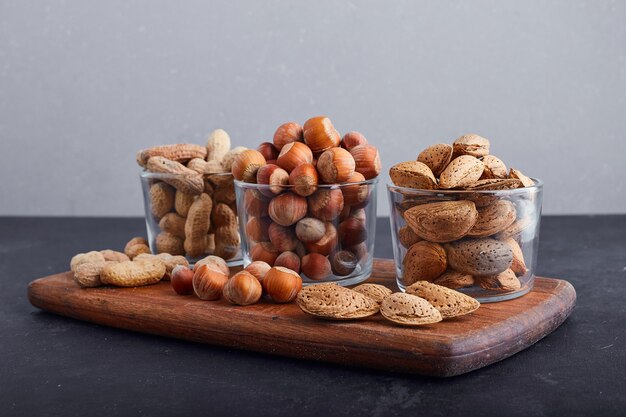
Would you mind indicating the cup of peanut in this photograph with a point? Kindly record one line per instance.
(189, 199)
(307, 202)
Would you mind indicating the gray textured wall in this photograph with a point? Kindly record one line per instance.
(85, 84)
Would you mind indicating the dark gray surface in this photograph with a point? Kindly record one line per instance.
(52, 365)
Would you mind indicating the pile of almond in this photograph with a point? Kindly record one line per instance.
(423, 303)
(465, 238)
(294, 218)
(193, 197)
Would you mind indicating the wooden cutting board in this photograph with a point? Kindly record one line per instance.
(492, 333)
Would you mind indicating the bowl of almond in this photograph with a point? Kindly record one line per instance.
(461, 219)
(307, 202)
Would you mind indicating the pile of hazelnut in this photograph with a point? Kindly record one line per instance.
(210, 280)
(307, 211)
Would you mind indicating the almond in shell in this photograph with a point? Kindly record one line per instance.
(409, 310)
(518, 266)
(504, 281)
(424, 261)
(436, 157)
(412, 174)
(450, 303)
(471, 144)
(443, 221)
(516, 174)
(331, 301)
(493, 218)
(374, 291)
(462, 172)
(479, 257)
(454, 279)
(494, 168)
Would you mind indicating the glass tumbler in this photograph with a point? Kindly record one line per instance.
(326, 232)
(482, 243)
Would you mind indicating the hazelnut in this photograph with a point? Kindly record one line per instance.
(352, 231)
(242, 289)
(215, 263)
(282, 237)
(355, 194)
(310, 229)
(320, 134)
(255, 203)
(294, 154)
(326, 244)
(288, 260)
(268, 150)
(264, 251)
(286, 209)
(335, 165)
(182, 279)
(274, 176)
(367, 160)
(360, 251)
(352, 139)
(316, 266)
(343, 262)
(246, 165)
(282, 284)
(258, 269)
(287, 133)
(304, 178)
(257, 228)
(326, 204)
(300, 250)
(208, 283)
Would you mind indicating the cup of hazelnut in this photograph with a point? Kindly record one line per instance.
(307, 201)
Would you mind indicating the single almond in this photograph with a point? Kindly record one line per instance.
(526, 181)
(443, 221)
(493, 218)
(331, 301)
(518, 266)
(504, 281)
(424, 261)
(450, 303)
(407, 236)
(494, 168)
(436, 157)
(374, 291)
(463, 171)
(409, 310)
(479, 257)
(412, 174)
(454, 279)
(471, 144)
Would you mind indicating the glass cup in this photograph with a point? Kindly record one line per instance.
(482, 243)
(326, 234)
(168, 225)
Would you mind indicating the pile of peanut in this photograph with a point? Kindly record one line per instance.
(192, 197)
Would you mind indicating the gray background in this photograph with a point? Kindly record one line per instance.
(85, 84)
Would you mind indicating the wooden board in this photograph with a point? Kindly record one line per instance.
(492, 333)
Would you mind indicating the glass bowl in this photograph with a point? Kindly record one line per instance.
(326, 236)
(482, 243)
(169, 213)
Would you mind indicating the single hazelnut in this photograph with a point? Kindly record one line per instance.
(286, 209)
(208, 283)
(242, 289)
(282, 284)
(287, 133)
(268, 150)
(352, 231)
(343, 263)
(294, 154)
(257, 228)
(367, 160)
(310, 229)
(246, 165)
(352, 139)
(326, 244)
(360, 251)
(288, 260)
(316, 266)
(274, 176)
(182, 279)
(258, 269)
(320, 134)
(326, 204)
(304, 178)
(214, 262)
(335, 165)
(255, 203)
(355, 194)
(282, 237)
(264, 251)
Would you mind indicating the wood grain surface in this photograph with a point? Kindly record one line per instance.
(492, 333)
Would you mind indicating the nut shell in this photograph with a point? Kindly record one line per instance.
(208, 283)
(258, 269)
(352, 139)
(320, 134)
(367, 160)
(424, 261)
(286, 209)
(242, 289)
(246, 165)
(282, 284)
(304, 179)
(326, 204)
(287, 133)
(335, 165)
(316, 266)
(294, 154)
